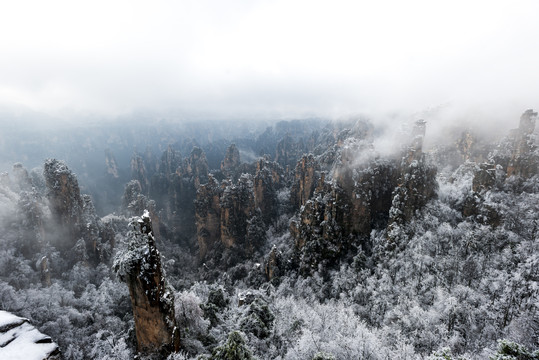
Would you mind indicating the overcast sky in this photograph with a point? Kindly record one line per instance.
(270, 58)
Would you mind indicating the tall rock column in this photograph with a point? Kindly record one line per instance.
(138, 172)
(196, 167)
(111, 164)
(64, 198)
(524, 158)
(416, 185)
(266, 181)
(305, 181)
(231, 162)
(208, 216)
(81, 233)
(237, 208)
(151, 298)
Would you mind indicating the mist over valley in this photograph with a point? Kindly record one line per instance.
(269, 180)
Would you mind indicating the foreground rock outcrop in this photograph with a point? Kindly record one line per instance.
(19, 340)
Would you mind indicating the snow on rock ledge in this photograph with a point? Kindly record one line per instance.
(20, 340)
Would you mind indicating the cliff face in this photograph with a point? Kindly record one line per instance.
(228, 218)
(416, 183)
(267, 180)
(182, 193)
(524, 158)
(111, 165)
(31, 213)
(517, 154)
(231, 162)
(138, 172)
(237, 207)
(21, 179)
(196, 167)
(134, 202)
(514, 161)
(465, 145)
(171, 160)
(176, 181)
(319, 235)
(85, 237)
(305, 180)
(231, 215)
(208, 216)
(342, 211)
(186, 215)
(274, 265)
(371, 196)
(362, 192)
(484, 177)
(471, 147)
(288, 151)
(161, 184)
(368, 182)
(152, 300)
(98, 237)
(173, 190)
(64, 196)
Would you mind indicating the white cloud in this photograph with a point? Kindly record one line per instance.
(269, 57)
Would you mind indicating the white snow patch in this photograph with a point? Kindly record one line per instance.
(21, 341)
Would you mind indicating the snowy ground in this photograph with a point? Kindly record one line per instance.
(20, 340)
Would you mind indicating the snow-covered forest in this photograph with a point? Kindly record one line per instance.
(289, 240)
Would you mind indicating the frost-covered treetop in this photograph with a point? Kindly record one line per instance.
(56, 166)
(145, 217)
